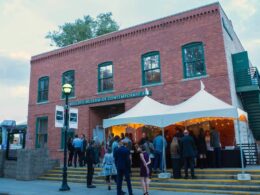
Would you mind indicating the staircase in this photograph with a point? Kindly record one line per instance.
(247, 80)
(251, 103)
(251, 153)
(217, 181)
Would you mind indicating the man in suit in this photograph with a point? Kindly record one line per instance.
(90, 155)
(188, 152)
(123, 163)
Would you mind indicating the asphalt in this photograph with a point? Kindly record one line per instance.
(39, 187)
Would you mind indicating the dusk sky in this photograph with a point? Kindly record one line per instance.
(25, 23)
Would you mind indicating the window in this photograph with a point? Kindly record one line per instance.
(226, 29)
(193, 60)
(105, 77)
(69, 77)
(151, 69)
(43, 89)
(41, 132)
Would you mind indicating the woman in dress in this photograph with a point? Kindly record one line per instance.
(149, 148)
(109, 168)
(144, 169)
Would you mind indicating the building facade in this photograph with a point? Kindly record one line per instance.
(109, 74)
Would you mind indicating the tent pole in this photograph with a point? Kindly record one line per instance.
(164, 160)
(241, 151)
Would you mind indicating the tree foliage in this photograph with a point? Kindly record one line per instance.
(83, 29)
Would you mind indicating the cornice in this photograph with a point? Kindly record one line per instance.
(158, 24)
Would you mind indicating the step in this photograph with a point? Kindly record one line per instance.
(186, 190)
(170, 180)
(200, 176)
(186, 185)
(135, 171)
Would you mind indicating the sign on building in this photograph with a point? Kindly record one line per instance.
(60, 117)
(73, 118)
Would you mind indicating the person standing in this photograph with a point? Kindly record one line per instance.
(144, 169)
(71, 151)
(210, 150)
(188, 152)
(110, 140)
(123, 163)
(158, 144)
(83, 150)
(176, 158)
(115, 143)
(202, 149)
(149, 148)
(109, 168)
(143, 139)
(215, 143)
(128, 141)
(90, 154)
(77, 144)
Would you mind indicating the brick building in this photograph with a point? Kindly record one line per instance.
(109, 74)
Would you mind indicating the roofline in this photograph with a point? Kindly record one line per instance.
(115, 33)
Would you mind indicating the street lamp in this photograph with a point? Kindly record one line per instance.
(66, 89)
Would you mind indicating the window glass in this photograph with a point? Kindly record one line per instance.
(41, 132)
(43, 89)
(151, 68)
(106, 81)
(193, 60)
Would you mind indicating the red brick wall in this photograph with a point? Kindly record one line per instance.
(124, 49)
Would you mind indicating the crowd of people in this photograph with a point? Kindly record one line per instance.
(116, 156)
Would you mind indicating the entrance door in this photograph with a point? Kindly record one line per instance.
(99, 134)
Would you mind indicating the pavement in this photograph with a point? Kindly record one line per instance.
(38, 187)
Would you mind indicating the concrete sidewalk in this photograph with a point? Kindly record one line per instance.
(39, 187)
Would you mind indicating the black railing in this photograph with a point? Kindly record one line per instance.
(247, 77)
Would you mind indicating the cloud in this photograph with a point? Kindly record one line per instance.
(14, 102)
(244, 8)
(13, 71)
(20, 91)
(253, 47)
(20, 55)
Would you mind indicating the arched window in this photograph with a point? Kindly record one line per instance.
(151, 68)
(69, 77)
(43, 89)
(105, 77)
(193, 60)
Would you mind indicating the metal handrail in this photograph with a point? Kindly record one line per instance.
(247, 77)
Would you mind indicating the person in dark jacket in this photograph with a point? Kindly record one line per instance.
(123, 163)
(71, 151)
(188, 152)
(90, 154)
(215, 143)
(83, 150)
(202, 149)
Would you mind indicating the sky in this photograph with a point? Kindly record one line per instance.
(25, 23)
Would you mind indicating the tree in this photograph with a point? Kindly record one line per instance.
(83, 29)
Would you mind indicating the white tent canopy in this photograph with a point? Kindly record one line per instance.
(151, 112)
(147, 111)
(202, 104)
